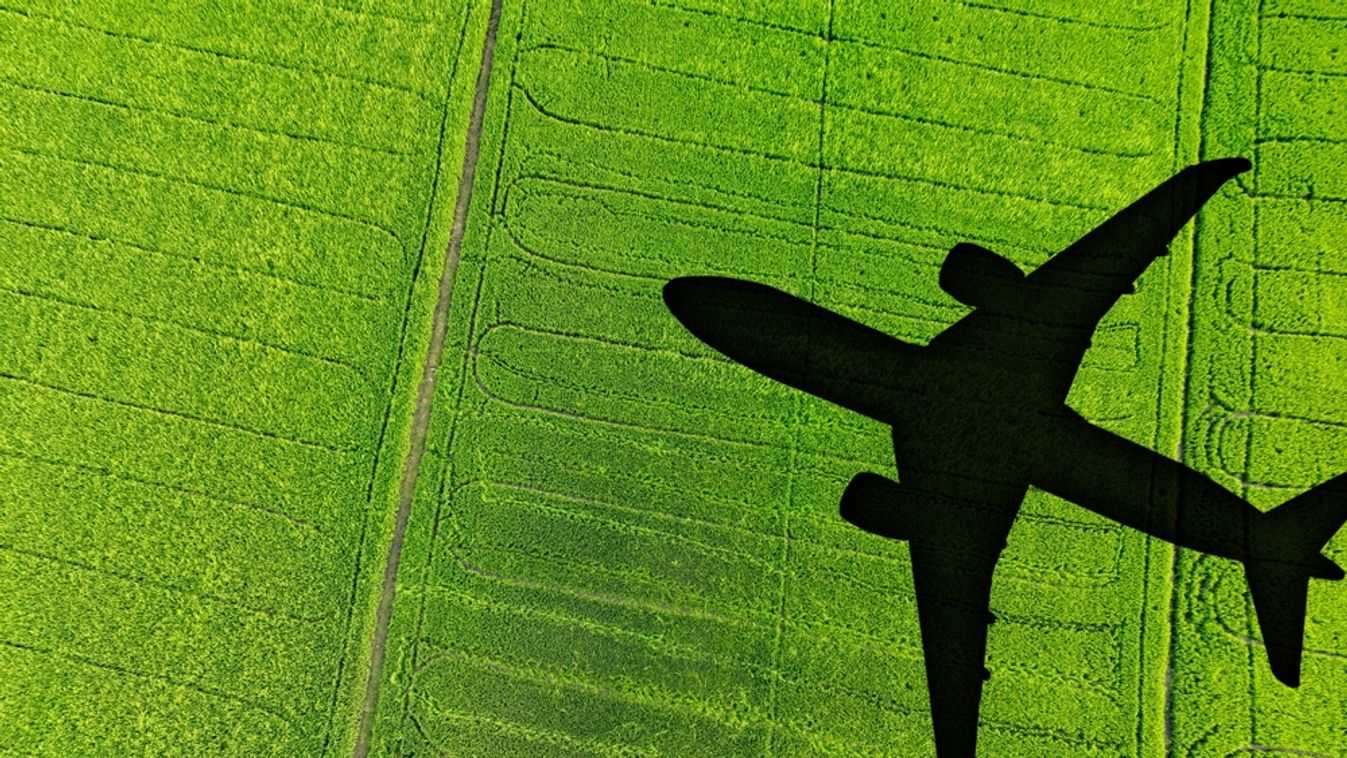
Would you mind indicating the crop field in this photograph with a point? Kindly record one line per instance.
(623, 544)
(220, 233)
(223, 235)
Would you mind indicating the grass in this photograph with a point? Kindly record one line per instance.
(220, 245)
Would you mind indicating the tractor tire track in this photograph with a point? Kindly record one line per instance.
(426, 389)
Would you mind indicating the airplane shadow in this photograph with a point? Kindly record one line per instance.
(979, 415)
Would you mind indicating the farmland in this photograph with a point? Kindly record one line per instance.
(223, 235)
(221, 229)
(621, 540)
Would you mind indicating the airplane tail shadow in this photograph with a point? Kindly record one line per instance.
(1279, 572)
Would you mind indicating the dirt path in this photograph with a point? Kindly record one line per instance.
(426, 389)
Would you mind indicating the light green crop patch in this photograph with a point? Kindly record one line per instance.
(623, 544)
(221, 225)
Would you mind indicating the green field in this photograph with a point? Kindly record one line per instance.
(222, 231)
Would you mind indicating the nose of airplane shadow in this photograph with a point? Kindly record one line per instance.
(676, 291)
(707, 302)
(684, 290)
(754, 324)
(680, 297)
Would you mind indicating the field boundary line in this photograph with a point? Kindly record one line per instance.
(426, 389)
(1186, 390)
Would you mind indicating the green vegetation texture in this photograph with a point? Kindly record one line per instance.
(222, 228)
(623, 544)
